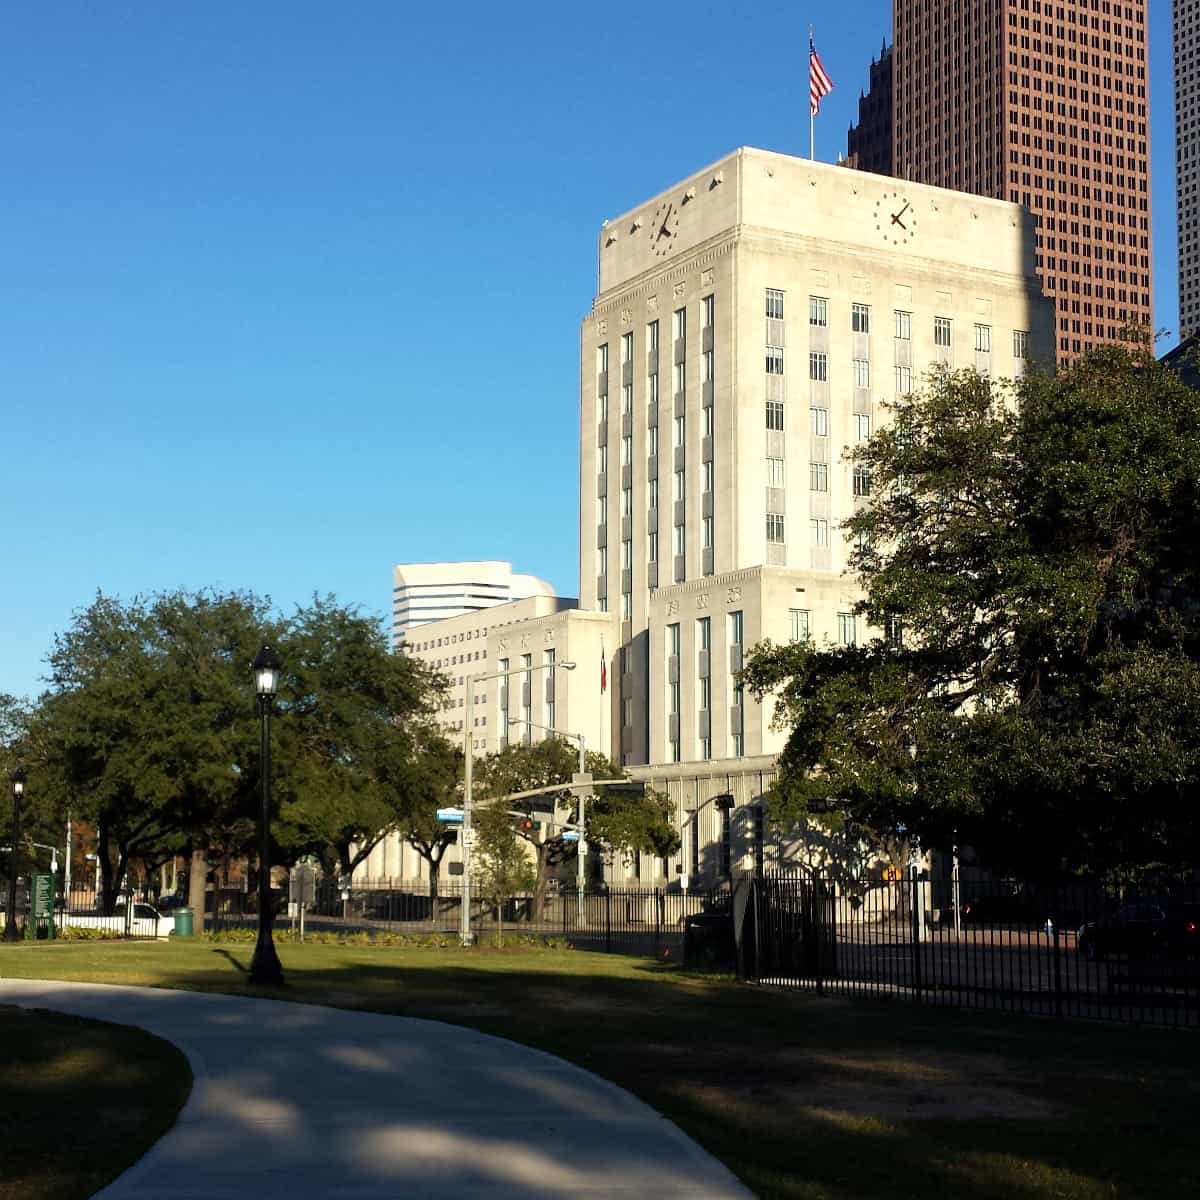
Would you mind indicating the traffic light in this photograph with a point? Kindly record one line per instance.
(529, 825)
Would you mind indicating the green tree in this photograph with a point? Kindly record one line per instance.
(1031, 557)
(352, 720)
(433, 780)
(617, 823)
(501, 863)
(144, 730)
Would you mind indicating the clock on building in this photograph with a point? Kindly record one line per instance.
(664, 225)
(895, 218)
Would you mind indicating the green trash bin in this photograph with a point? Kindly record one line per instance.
(183, 922)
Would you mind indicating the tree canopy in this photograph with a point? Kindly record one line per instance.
(150, 727)
(1029, 561)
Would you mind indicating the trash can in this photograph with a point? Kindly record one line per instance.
(183, 922)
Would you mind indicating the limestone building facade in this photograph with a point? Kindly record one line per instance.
(751, 325)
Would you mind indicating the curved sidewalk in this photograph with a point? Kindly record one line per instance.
(296, 1101)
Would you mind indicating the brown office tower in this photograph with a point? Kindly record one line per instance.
(1044, 104)
(869, 143)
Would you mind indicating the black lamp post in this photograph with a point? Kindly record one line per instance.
(10, 924)
(264, 966)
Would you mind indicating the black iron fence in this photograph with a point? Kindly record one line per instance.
(1065, 950)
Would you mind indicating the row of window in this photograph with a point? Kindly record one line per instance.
(860, 322)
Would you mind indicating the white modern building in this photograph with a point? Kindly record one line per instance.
(425, 592)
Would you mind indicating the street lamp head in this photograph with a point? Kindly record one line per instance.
(18, 781)
(267, 665)
(566, 666)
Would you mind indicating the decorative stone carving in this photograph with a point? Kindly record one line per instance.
(702, 600)
(672, 607)
(706, 278)
(733, 595)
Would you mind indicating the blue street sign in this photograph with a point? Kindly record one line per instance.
(450, 816)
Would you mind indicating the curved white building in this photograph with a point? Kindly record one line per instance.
(424, 592)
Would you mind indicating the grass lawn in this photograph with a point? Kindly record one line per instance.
(802, 1096)
(79, 1101)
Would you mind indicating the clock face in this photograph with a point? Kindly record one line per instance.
(664, 225)
(895, 219)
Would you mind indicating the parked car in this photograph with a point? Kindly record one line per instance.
(1143, 929)
(708, 939)
(1002, 909)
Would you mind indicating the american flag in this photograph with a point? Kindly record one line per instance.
(819, 83)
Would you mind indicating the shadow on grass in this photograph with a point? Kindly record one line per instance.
(800, 1095)
(108, 1090)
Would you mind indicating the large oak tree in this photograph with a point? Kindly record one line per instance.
(1033, 554)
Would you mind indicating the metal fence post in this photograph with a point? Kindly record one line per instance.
(608, 920)
(1058, 991)
(658, 900)
(915, 919)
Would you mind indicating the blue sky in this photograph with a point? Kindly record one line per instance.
(290, 292)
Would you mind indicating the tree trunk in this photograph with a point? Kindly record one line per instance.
(540, 883)
(108, 885)
(435, 871)
(197, 880)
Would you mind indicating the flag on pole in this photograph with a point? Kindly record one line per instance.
(819, 83)
(603, 670)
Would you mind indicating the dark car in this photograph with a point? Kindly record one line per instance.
(1003, 909)
(1143, 929)
(708, 937)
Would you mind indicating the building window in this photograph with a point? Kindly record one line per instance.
(774, 304)
(626, 606)
(707, 477)
(652, 441)
(774, 360)
(602, 407)
(904, 381)
(654, 546)
(818, 310)
(550, 658)
(861, 481)
(819, 418)
(652, 336)
(941, 331)
(847, 625)
(862, 373)
(680, 485)
(862, 427)
(706, 367)
(601, 561)
(818, 477)
(626, 554)
(775, 528)
(704, 634)
(707, 428)
(626, 347)
(627, 502)
(679, 322)
(680, 430)
(736, 627)
(652, 492)
(673, 644)
(1020, 343)
(774, 414)
(626, 398)
(819, 528)
(983, 339)
(602, 460)
(860, 318)
(706, 531)
(680, 540)
(626, 450)
(775, 472)
(799, 621)
(903, 326)
(818, 366)
(707, 310)
(602, 359)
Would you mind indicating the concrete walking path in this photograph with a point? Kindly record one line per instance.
(296, 1100)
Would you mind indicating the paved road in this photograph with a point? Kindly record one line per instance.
(297, 1101)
